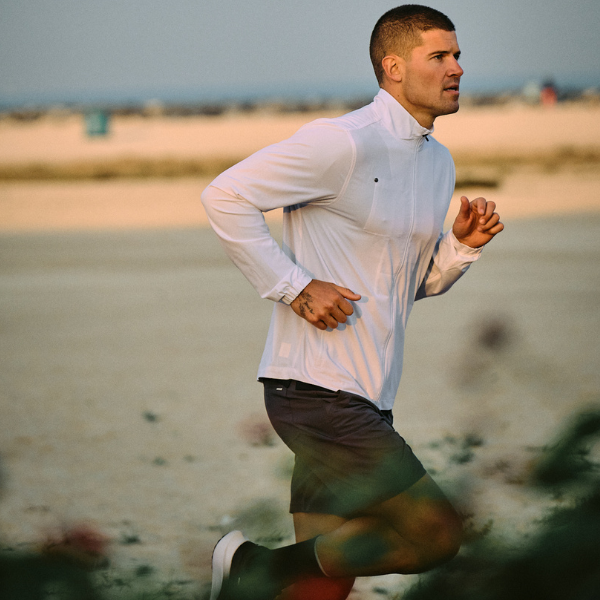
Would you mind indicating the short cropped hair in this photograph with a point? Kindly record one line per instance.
(399, 30)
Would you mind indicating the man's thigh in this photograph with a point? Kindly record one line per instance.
(412, 514)
(309, 525)
(420, 513)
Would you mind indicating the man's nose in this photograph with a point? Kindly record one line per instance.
(455, 69)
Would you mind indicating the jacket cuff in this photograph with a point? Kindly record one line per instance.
(462, 249)
(290, 289)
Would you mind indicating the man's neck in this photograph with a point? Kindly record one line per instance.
(422, 119)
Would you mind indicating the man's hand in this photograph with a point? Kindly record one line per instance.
(324, 304)
(476, 223)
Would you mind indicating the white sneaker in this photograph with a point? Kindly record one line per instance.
(221, 561)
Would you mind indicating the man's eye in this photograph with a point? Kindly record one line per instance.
(438, 56)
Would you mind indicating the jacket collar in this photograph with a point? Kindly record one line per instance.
(397, 119)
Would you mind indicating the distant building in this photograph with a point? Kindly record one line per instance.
(548, 94)
(97, 123)
(531, 92)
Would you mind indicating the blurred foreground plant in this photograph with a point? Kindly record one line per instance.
(60, 569)
(562, 560)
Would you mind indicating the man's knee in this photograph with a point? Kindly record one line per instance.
(440, 539)
(450, 538)
(424, 517)
(434, 537)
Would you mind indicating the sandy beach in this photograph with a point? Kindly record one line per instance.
(129, 343)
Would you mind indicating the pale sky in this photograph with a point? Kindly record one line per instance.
(98, 50)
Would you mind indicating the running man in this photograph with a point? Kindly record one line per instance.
(364, 196)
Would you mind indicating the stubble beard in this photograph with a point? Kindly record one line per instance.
(449, 107)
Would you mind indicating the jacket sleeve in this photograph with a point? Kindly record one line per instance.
(311, 166)
(449, 262)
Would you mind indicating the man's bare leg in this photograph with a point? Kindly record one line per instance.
(410, 533)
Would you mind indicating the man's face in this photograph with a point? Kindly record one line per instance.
(431, 77)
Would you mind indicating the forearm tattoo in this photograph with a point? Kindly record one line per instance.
(304, 304)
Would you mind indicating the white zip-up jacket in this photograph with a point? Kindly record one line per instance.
(365, 196)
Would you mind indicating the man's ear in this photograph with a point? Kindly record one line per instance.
(393, 66)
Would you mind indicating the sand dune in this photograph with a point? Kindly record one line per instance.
(510, 129)
(535, 180)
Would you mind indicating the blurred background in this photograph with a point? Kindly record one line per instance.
(129, 344)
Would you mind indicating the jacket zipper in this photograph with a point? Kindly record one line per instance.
(387, 368)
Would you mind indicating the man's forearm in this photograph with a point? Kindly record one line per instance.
(450, 261)
(246, 239)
